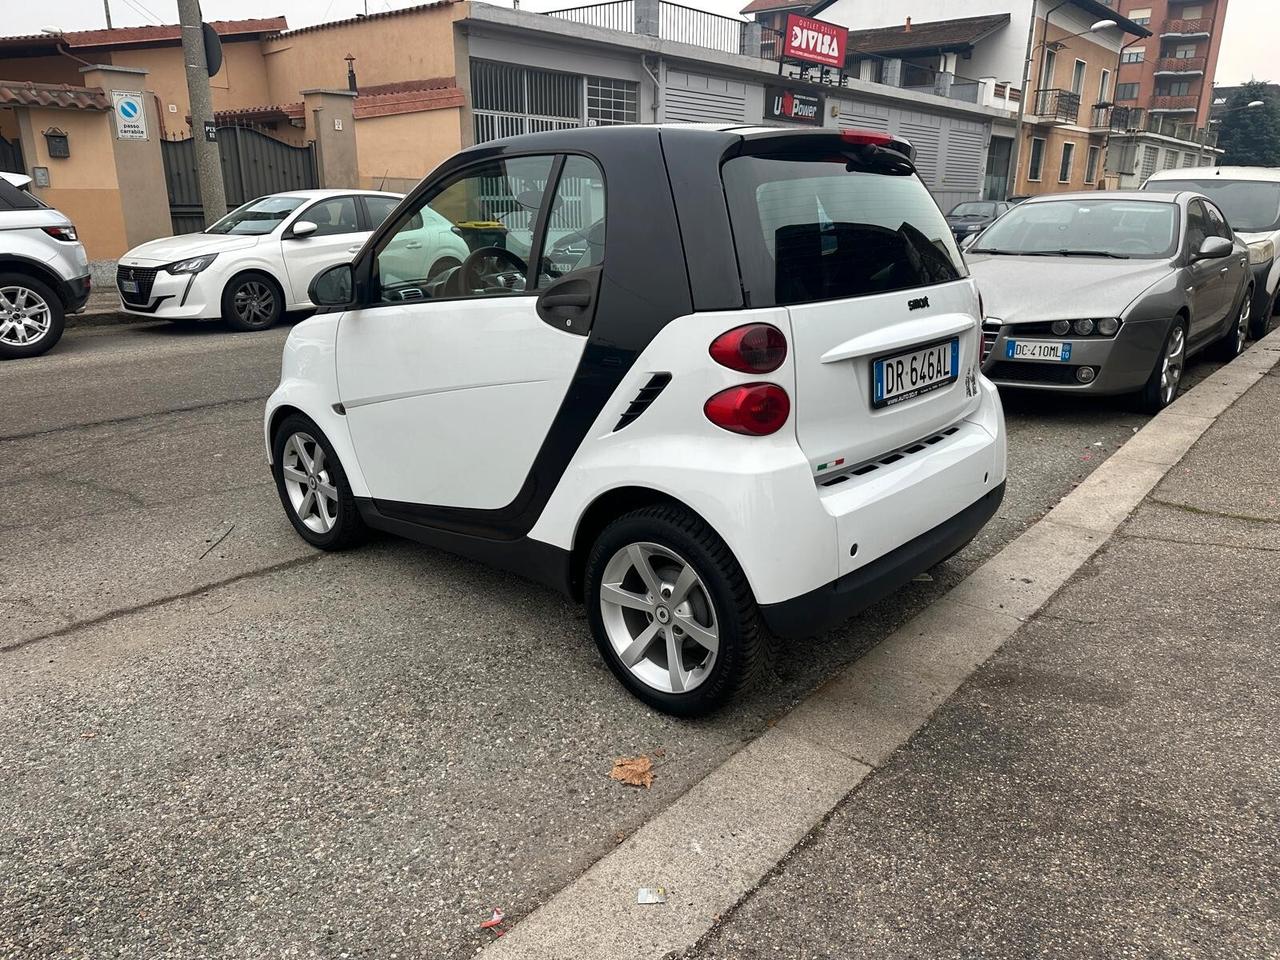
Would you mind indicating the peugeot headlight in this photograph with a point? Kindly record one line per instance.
(1262, 251)
(192, 264)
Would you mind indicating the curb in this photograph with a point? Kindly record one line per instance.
(103, 318)
(713, 845)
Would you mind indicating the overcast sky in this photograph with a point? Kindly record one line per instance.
(1248, 47)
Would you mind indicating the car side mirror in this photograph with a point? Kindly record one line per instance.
(1214, 248)
(333, 287)
(303, 228)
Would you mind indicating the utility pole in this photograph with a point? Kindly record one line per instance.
(106, 6)
(208, 164)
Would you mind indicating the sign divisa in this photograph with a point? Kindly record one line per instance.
(815, 41)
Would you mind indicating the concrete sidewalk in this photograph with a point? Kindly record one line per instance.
(1107, 785)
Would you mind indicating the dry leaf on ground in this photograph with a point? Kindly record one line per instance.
(633, 771)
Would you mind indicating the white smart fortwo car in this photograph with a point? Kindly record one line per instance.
(713, 381)
(257, 261)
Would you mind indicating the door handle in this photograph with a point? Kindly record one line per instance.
(1224, 269)
(355, 248)
(578, 301)
(413, 245)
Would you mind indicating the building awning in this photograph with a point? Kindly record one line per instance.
(939, 36)
(21, 93)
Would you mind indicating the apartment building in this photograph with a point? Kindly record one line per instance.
(1170, 74)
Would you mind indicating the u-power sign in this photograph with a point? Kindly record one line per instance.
(815, 41)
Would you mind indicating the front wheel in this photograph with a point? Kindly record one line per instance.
(1233, 341)
(1166, 377)
(252, 301)
(1264, 310)
(313, 486)
(31, 317)
(672, 613)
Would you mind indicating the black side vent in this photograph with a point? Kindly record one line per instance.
(648, 393)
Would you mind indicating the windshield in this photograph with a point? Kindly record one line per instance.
(809, 230)
(973, 209)
(1105, 228)
(1250, 206)
(257, 216)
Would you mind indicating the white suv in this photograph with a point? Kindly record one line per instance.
(1249, 197)
(44, 272)
(710, 380)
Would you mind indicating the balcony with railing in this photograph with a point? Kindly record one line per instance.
(1187, 65)
(1109, 118)
(1177, 27)
(1175, 104)
(1056, 106)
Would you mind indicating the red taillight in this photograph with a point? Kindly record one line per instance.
(756, 409)
(866, 138)
(752, 348)
(61, 233)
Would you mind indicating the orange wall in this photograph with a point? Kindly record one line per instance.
(242, 81)
(41, 69)
(402, 149)
(415, 46)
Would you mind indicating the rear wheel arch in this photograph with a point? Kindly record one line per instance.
(36, 271)
(602, 511)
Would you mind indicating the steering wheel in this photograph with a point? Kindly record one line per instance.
(469, 276)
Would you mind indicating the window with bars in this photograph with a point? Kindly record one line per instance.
(612, 101)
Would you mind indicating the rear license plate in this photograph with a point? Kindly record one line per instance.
(1037, 350)
(902, 376)
(129, 286)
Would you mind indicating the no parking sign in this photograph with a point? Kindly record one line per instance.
(131, 115)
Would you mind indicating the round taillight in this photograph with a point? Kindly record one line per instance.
(756, 409)
(751, 348)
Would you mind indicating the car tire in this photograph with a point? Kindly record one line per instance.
(313, 486)
(32, 317)
(1157, 394)
(695, 595)
(1232, 343)
(252, 301)
(1260, 322)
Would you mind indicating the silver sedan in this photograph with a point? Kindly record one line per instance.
(1110, 292)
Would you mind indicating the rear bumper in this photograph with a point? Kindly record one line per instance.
(833, 603)
(75, 293)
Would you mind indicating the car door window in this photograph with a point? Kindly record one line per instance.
(575, 223)
(471, 238)
(379, 208)
(1197, 226)
(1217, 223)
(333, 216)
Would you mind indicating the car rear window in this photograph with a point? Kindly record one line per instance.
(11, 198)
(1251, 206)
(809, 230)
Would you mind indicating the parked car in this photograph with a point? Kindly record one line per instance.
(257, 261)
(1110, 292)
(970, 218)
(1249, 197)
(44, 272)
(740, 392)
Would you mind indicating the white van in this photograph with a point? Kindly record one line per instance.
(1250, 198)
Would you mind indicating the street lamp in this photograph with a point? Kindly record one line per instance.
(1248, 106)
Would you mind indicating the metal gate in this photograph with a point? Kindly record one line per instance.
(253, 165)
(11, 156)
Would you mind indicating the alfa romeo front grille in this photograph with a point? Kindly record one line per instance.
(144, 277)
(990, 334)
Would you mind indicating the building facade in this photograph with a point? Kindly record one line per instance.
(1170, 74)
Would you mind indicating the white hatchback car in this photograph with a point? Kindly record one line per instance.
(257, 261)
(710, 380)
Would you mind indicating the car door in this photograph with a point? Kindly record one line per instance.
(1203, 278)
(1231, 269)
(337, 239)
(450, 385)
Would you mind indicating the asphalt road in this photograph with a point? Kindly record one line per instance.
(222, 743)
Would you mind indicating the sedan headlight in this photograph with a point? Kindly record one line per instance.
(1083, 327)
(1061, 328)
(1262, 251)
(1108, 326)
(973, 227)
(192, 264)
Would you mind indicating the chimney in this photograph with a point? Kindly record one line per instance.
(907, 28)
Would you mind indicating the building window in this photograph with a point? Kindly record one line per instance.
(1036, 166)
(1184, 51)
(1104, 87)
(1192, 12)
(1077, 77)
(1177, 88)
(1140, 15)
(1091, 165)
(1126, 91)
(1188, 159)
(1170, 159)
(611, 101)
(1064, 168)
(1150, 156)
(1134, 55)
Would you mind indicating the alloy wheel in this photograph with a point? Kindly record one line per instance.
(309, 484)
(1171, 370)
(25, 316)
(659, 617)
(254, 303)
(1242, 322)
